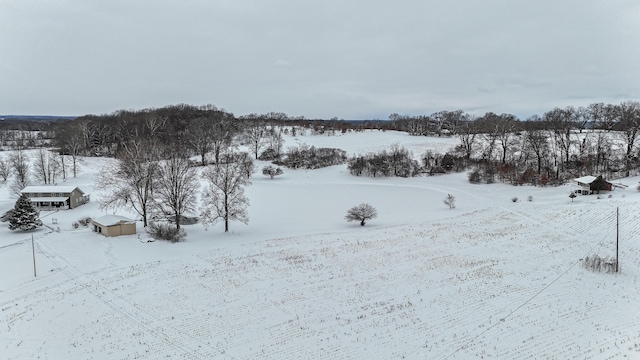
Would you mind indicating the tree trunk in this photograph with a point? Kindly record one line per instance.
(226, 212)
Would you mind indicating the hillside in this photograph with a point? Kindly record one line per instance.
(491, 278)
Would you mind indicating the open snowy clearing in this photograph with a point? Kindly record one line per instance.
(491, 278)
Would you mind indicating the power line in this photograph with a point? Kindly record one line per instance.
(468, 342)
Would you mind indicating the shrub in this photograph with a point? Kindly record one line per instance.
(450, 201)
(436, 170)
(514, 199)
(529, 198)
(85, 221)
(271, 171)
(75, 224)
(599, 264)
(269, 155)
(474, 176)
(310, 157)
(166, 231)
(395, 162)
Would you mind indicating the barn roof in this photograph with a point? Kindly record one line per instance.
(586, 179)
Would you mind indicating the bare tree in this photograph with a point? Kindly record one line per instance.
(274, 140)
(129, 181)
(467, 134)
(561, 122)
(245, 161)
(200, 135)
(489, 127)
(255, 135)
(20, 167)
(225, 131)
(450, 201)
(175, 190)
(601, 117)
(505, 128)
(224, 198)
(362, 213)
(47, 167)
(63, 166)
(154, 124)
(73, 138)
(5, 170)
(629, 122)
(538, 144)
(214, 132)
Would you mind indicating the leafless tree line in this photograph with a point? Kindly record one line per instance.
(19, 170)
(601, 139)
(563, 142)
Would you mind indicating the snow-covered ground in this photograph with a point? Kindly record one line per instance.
(491, 278)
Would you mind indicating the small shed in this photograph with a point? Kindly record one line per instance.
(114, 225)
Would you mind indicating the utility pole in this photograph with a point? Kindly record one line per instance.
(617, 234)
(33, 251)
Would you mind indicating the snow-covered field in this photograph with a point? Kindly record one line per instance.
(491, 278)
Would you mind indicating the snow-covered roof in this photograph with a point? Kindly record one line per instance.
(49, 199)
(49, 189)
(585, 179)
(110, 220)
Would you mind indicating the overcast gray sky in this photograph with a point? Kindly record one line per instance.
(354, 59)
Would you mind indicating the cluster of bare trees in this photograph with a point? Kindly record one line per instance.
(397, 161)
(19, 170)
(441, 123)
(161, 183)
(203, 130)
(565, 142)
(310, 157)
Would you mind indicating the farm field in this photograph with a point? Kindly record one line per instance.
(491, 278)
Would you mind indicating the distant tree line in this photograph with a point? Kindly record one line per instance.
(600, 139)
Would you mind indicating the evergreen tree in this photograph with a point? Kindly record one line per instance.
(24, 216)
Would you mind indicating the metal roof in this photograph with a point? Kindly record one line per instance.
(586, 179)
(49, 189)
